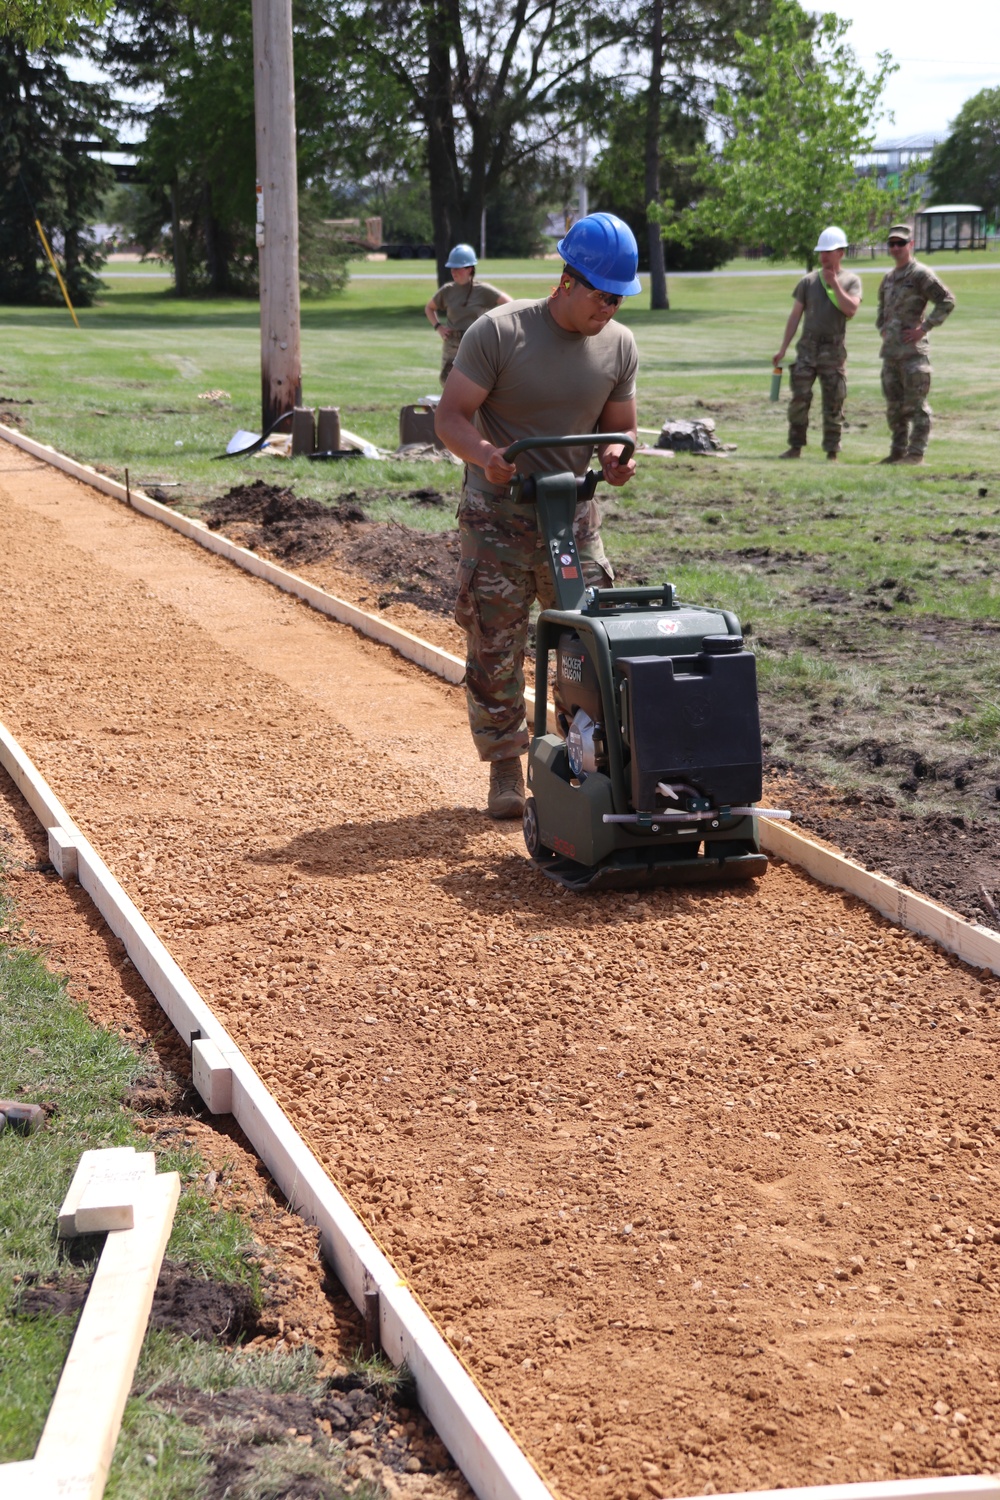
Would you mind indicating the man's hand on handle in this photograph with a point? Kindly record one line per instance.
(616, 472)
(497, 469)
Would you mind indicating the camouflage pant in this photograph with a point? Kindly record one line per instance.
(449, 348)
(824, 362)
(905, 385)
(504, 568)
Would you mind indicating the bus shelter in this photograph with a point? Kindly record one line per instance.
(950, 226)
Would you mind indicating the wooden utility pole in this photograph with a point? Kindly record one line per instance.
(277, 209)
(658, 298)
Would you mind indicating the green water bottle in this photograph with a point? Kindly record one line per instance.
(775, 382)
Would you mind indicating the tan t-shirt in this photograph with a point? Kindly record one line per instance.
(462, 305)
(823, 320)
(543, 381)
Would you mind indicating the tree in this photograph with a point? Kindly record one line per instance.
(198, 158)
(489, 89)
(792, 135)
(965, 168)
(690, 47)
(36, 23)
(619, 182)
(46, 174)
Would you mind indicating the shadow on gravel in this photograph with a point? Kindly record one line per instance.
(480, 880)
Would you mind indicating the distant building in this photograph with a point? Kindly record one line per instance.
(896, 156)
(950, 226)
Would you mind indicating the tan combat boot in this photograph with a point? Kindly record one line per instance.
(912, 458)
(834, 457)
(791, 453)
(506, 799)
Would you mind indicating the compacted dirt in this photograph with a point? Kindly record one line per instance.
(950, 852)
(701, 1185)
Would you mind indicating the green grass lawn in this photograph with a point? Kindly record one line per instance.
(872, 594)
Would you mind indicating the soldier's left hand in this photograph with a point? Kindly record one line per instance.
(615, 472)
(914, 335)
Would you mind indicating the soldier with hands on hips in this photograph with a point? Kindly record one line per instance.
(904, 324)
(828, 298)
(534, 369)
(455, 306)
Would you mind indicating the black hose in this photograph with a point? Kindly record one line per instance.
(256, 446)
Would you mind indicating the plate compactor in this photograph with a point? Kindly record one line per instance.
(653, 779)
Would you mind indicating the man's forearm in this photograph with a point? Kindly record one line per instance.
(462, 438)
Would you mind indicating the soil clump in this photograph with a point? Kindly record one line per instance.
(404, 566)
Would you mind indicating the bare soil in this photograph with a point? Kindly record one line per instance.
(950, 851)
(702, 1187)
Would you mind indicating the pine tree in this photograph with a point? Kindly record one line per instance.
(46, 174)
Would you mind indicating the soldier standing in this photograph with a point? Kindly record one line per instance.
(534, 369)
(906, 365)
(828, 297)
(462, 300)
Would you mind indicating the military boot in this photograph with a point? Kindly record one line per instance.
(912, 458)
(893, 458)
(791, 453)
(506, 799)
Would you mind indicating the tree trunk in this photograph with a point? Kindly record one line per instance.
(658, 298)
(442, 156)
(178, 245)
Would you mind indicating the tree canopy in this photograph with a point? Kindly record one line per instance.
(965, 168)
(38, 22)
(792, 135)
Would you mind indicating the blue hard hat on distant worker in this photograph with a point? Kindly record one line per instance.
(461, 256)
(832, 238)
(603, 249)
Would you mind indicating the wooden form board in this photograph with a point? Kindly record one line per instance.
(482, 1447)
(78, 1440)
(85, 1417)
(975, 944)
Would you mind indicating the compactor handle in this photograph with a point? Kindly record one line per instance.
(579, 440)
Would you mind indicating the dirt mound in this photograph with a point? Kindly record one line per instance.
(412, 567)
(182, 1303)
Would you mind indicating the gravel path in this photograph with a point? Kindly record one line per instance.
(701, 1185)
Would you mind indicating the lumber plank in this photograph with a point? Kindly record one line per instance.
(98, 1161)
(79, 1436)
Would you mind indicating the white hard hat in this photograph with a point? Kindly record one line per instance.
(832, 238)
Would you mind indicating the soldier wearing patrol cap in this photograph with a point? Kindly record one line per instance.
(828, 297)
(534, 369)
(904, 324)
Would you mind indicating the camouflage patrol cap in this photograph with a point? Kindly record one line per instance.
(900, 229)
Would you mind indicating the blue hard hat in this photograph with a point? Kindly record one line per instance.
(461, 255)
(603, 249)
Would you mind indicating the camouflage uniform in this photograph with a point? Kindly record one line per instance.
(823, 361)
(906, 368)
(821, 355)
(504, 568)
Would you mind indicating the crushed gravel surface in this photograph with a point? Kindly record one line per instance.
(702, 1186)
